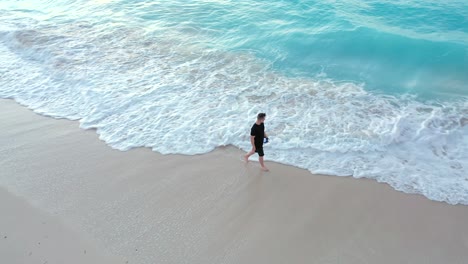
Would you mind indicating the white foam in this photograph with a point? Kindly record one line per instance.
(138, 89)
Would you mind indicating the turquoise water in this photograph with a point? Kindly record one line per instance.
(391, 46)
(374, 89)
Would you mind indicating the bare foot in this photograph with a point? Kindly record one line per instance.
(265, 169)
(246, 158)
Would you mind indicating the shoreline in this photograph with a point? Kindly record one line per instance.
(210, 208)
(230, 146)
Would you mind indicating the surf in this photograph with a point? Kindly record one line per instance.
(145, 81)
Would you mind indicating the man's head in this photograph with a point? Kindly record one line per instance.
(261, 117)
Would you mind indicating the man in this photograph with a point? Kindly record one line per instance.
(257, 133)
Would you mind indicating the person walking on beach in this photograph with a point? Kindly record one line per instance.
(257, 134)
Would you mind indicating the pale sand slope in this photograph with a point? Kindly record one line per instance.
(148, 208)
(28, 235)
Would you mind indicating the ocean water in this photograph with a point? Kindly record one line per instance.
(375, 89)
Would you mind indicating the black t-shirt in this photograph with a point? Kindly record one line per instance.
(259, 132)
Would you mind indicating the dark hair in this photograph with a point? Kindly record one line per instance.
(261, 115)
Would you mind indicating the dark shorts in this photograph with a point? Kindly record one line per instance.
(259, 150)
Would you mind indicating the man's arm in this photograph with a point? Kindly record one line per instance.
(252, 141)
(265, 134)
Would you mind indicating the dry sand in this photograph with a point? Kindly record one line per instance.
(143, 207)
(29, 235)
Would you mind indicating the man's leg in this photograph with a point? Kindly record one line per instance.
(247, 156)
(260, 159)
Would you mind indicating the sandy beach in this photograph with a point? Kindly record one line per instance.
(29, 235)
(63, 187)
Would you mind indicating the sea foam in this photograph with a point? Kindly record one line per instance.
(141, 88)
